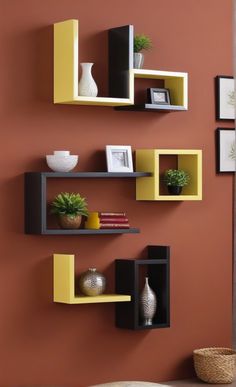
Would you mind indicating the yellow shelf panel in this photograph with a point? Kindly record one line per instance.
(98, 101)
(103, 298)
(64, 284)
(148, 188)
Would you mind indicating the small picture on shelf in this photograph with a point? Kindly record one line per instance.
(158, 96)
(119, 158)
(226, 152)
(225, 98)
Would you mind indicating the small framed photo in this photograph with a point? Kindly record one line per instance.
(226, 155)
(119, 158)
(158, 96)
(225, 98)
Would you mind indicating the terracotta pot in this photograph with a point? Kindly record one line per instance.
(68, 222)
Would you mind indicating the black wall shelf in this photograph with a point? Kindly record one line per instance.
(129, 281)
(152, 108)
(36, 202)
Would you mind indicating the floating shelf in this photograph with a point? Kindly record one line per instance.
(152, 108)
(149, 188)
(121, 73)
(130, 275)
(66, 66)
(91, 232)
(36, 201)
(176, 82)
(64, 284)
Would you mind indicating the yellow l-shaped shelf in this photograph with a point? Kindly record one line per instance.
(149, 160)
(66, 70)
(64, 284)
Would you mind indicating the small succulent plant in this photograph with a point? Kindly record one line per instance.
(176, 177)
(142, 42)
(70, 204)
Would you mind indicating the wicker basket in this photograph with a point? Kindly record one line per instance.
(215, 365)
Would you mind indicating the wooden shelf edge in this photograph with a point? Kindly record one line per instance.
(90, 231)
(92, 174)
(103, 298)
(152, 107)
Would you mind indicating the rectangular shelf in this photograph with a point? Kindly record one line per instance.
(36, 201)
(92, 175)
(150, 188)
(152, 108)
(129, 277)
(66, 66)
(91, 232)
(104, 298)
(64, 284)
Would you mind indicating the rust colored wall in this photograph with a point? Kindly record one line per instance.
(47, 344)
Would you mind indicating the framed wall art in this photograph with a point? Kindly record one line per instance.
(225, 98)
(225, 150)
(119, 158)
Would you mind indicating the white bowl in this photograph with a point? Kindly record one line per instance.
(62, 163)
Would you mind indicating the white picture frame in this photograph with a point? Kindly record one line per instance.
(119, 158)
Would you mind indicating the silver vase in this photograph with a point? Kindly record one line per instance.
(92, 283)
(138, 60)
(147, 303)
(87, 85)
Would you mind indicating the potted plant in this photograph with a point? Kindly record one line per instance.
(175, 179)
(141, 42)
(69, 207)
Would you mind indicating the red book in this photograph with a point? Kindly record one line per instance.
(114, 220)
(114, 225)
(112, 214)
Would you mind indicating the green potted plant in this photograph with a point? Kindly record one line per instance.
(141, 42)
(175, 179)
(69, 207)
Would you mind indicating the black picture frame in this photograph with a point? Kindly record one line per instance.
(224, 162)
(225, 104)
(158, 96)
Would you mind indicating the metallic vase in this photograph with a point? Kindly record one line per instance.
(138, 60)
(147, 304)
(92, 283)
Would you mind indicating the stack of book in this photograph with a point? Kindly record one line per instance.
(107, 220)
(110, 220)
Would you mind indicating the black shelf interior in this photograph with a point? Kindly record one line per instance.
(152, 107)
(36, 202)
(130, 280)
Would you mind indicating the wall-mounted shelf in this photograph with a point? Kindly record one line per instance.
(36, 201)
(150, 188)
(176, 82)
(64, 284)
(66, 66)
(121, 73)
(130, 275)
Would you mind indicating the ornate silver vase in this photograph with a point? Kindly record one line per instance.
(92, 283)
(147, 303)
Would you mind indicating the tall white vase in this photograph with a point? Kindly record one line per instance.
(87, 85)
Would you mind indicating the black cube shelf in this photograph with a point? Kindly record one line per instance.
(36, 201)
(129, 280)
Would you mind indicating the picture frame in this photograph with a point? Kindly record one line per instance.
(158, 96)
(225, 150)
(225, 97)
(119, 158)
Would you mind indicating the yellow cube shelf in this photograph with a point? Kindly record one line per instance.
(149, 188)
(64, 284)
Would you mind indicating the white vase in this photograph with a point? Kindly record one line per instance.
(87, 85)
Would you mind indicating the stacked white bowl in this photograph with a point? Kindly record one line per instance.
(62, 161)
